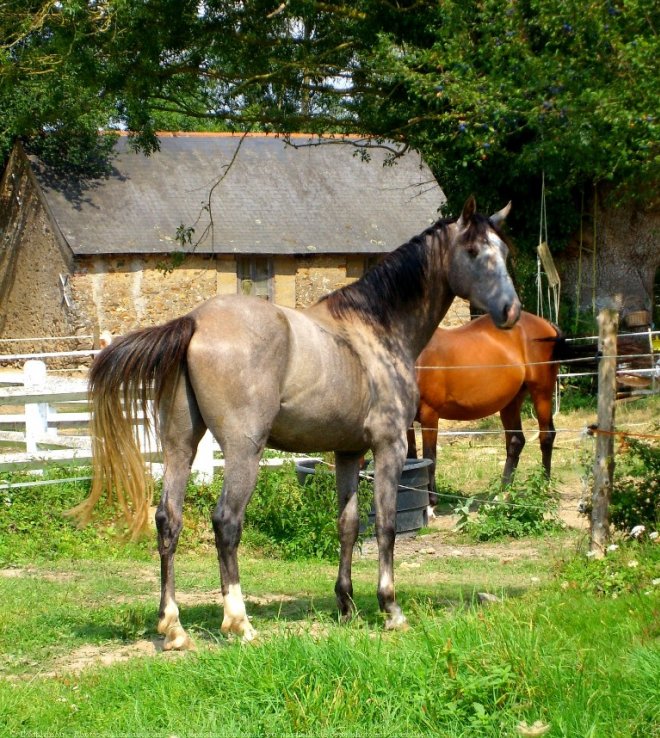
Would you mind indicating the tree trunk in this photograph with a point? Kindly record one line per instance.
(622, 269)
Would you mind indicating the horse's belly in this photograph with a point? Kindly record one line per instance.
(464, 411)
(325, 424)
(323, 407)
(474, 395)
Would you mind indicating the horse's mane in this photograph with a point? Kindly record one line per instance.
(390, 285)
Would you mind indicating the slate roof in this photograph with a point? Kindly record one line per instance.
(274, 199)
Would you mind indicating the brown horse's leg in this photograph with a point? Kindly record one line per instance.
(347, 468)
(181, 431)
(412, 443)
(514, 436)
(429, 420)
(543, 406)
(388, 464)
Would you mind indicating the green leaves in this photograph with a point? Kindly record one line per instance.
(493, 95)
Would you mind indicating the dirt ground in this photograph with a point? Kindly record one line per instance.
(435, 543)
(408, 550)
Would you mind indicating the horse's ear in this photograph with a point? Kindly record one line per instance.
(469, 209)
(501, 215)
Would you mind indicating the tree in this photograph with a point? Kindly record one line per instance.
(494, 95)
(49, 94)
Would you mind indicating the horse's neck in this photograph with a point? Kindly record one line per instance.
(407, 320)
(416, 326)
(418, 322)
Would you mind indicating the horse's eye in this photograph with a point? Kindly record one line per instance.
(472, 252)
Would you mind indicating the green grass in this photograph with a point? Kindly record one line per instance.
(574, 644)
(553, 651)
(586, 666)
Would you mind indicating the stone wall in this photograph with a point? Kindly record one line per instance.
(47, 292)
(122, 293)
(125, 293)
(316, 276)
(35, 299)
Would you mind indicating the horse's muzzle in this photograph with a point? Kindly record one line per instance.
(510, 314)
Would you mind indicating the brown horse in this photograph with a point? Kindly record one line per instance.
(338, 376)
(476, 370)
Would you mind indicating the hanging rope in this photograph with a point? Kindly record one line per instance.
(593, 255)
(545, 265)
(543, 226)
(578, 282)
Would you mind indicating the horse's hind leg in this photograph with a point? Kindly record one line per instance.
(240, 477)
(543, 406)
(181, 429)
(412, 443)
(347, 470)
(514, 436)
(429, 420)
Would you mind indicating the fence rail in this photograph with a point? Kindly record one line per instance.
(54, 424)
(54, 427)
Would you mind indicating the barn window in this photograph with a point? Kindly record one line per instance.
(255, 276)
(371, 261)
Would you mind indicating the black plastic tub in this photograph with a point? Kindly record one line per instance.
(412, 497)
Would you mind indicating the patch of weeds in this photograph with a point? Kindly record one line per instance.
(283, 518)
(635, 497)
(629, 567)
(33, 524)
(636, 487)
(527, 507)
(130, 623)
(299, 521)
(449, 496)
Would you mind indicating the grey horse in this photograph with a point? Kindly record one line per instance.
(338, 376)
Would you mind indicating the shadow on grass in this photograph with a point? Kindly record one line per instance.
(130, 622)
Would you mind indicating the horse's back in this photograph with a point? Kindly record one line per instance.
(474, 370)
(251, 361)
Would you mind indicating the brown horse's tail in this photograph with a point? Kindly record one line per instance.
(564, 351)
(122, 379)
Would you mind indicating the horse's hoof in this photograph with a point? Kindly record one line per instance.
(250, 635)
(178, 640)
(242, 628)
(396, 622)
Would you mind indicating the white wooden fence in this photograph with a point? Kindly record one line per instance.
(54, 424)
(49, 418)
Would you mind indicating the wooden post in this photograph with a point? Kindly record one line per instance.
(36, 413)
(608, 323)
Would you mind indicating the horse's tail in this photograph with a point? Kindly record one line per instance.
(122, 379)
(564, 350)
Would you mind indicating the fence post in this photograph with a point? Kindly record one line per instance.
(36, 413)
(608, 323)
(202, 466)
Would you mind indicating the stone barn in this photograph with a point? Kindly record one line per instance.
(207, 214)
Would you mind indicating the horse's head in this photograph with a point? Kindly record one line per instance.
(477, 264)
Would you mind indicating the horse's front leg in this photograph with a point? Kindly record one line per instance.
(429, 420)
(514, 437)
(240, 478)
(388, 464)
(347, 471)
